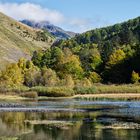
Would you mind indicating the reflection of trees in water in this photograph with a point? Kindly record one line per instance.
(5, 131)
(15, 122)
(84, 128)
(43, 132)
(122, 134)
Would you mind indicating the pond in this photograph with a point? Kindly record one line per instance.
(70, 119)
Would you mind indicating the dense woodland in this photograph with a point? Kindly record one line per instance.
(106, 55)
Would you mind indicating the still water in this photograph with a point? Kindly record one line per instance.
(71, 119)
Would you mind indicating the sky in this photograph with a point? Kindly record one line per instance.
(73, 15)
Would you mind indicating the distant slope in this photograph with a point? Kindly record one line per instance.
(107, 38)
(113, 52)
(54, 30)
(19, 40)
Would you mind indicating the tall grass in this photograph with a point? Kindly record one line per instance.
(100, 89)
(118, 88)
(63, 91)
(53, 91)
(32, 95)
(19, 89)
(85, 90)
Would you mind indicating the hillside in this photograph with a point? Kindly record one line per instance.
(18, 40)
(111, 52)
(56, 31)
(108, 38)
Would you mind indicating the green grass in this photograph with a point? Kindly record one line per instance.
(17, 90)
(118, 88)
(68, 92)
(100, 89)
(85, 90)
(96, 89)
(53, 91)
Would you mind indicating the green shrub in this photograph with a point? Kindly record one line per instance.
(31, 94)
(95, 77)
(53, 91)
(85, 90)
(19, 89)
(118, 89)
(135, 77)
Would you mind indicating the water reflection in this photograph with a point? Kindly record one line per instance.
(92, 124)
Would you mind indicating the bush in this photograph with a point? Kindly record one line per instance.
(68, 81)
(95, 77)
(118, 89)
(53, 91)
(85, 90)
(32, 95)
(135, 77)
(19, 89)
(83, 83)
(48, 77)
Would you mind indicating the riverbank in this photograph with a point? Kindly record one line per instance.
(98, 91)
(113, 96)
(5, 97)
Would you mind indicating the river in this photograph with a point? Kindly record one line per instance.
(70, 119)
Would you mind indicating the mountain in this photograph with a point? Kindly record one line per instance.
(54, 30)
(107, 38)
(18, 40)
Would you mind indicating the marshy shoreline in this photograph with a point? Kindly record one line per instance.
(101, 96)
(99, 91)
(121, 96)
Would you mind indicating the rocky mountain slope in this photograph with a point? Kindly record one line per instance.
(18, 40)
(57, 32)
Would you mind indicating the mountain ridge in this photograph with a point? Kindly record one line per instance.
(56, 31)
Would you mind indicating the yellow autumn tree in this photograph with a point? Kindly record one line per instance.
(95, 77)
(116, 57)
(12, 75)
(135, 77)
(70, 65)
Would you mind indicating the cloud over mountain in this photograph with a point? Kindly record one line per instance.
(31, 11)
(36, 12)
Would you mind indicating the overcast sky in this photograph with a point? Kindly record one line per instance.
(73, 15)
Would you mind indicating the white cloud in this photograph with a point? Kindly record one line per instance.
(36, 12)
(81, 25)
(31, 11)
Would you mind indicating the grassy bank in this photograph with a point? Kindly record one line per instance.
(112, 96)
(95, 91)
(7, 97)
